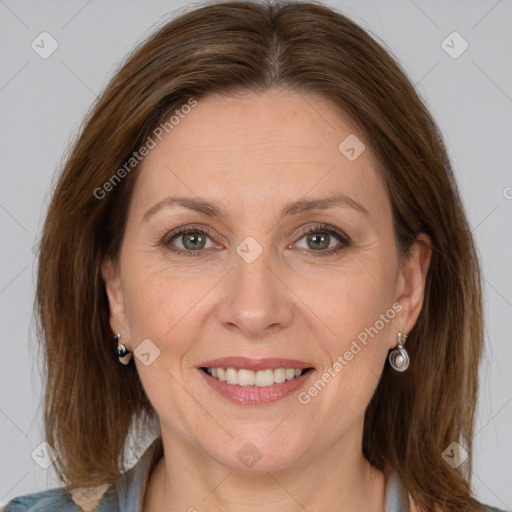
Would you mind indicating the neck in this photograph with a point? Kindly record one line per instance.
(188, 480)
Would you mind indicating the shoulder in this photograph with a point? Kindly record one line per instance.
(100, 499)
(125, 495)
(52, 500)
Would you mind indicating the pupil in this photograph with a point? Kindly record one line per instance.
(193, 239)
(320, 240)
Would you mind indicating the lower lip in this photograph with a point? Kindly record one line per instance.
(256, 395)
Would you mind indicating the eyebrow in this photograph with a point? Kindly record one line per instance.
(295, 208)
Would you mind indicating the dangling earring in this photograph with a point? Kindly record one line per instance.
(399, 358)
(120, 351)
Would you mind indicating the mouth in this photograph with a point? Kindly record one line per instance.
(255, 382)
(261, 378)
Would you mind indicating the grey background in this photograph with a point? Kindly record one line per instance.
(43, 101)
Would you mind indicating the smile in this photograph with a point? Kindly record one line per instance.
(261, 378)
(255, 382)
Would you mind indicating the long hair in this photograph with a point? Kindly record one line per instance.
(91, 401)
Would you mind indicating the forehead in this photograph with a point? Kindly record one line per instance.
(261, 148)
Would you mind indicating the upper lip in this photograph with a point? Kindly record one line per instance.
(255, 364)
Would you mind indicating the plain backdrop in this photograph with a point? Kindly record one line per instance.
(43, 101)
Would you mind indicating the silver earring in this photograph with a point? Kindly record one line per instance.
(120, 350)
(399, 358)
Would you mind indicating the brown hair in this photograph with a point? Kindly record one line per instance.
(91, 401)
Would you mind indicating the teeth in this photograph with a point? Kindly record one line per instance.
(231, 376)
(245, 378)
(260, 378)
(279, 375)
(264, 378)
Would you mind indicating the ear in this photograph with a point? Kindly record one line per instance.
(411, 283)
(112, 279)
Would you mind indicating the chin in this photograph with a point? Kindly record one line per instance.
(247, 454)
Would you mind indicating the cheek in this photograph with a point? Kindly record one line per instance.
(158, 298)
(161, 308)
(351, 297)
(354, 310)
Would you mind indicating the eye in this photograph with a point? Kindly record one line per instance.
(320, 240)
(191, 241)
(188, 241)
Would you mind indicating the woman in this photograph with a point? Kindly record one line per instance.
(260, 214)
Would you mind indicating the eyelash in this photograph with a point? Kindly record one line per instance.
(316, 229)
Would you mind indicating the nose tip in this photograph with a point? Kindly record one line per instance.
(253, 327)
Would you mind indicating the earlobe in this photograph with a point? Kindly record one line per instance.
(112, 279)
(412, 280)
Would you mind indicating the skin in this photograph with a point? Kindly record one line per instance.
(252, 154)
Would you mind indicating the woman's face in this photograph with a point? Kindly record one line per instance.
(249, 284)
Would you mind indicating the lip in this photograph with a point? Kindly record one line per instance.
(267, 363)
(256, 395)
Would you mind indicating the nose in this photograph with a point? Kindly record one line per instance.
(256, 300)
